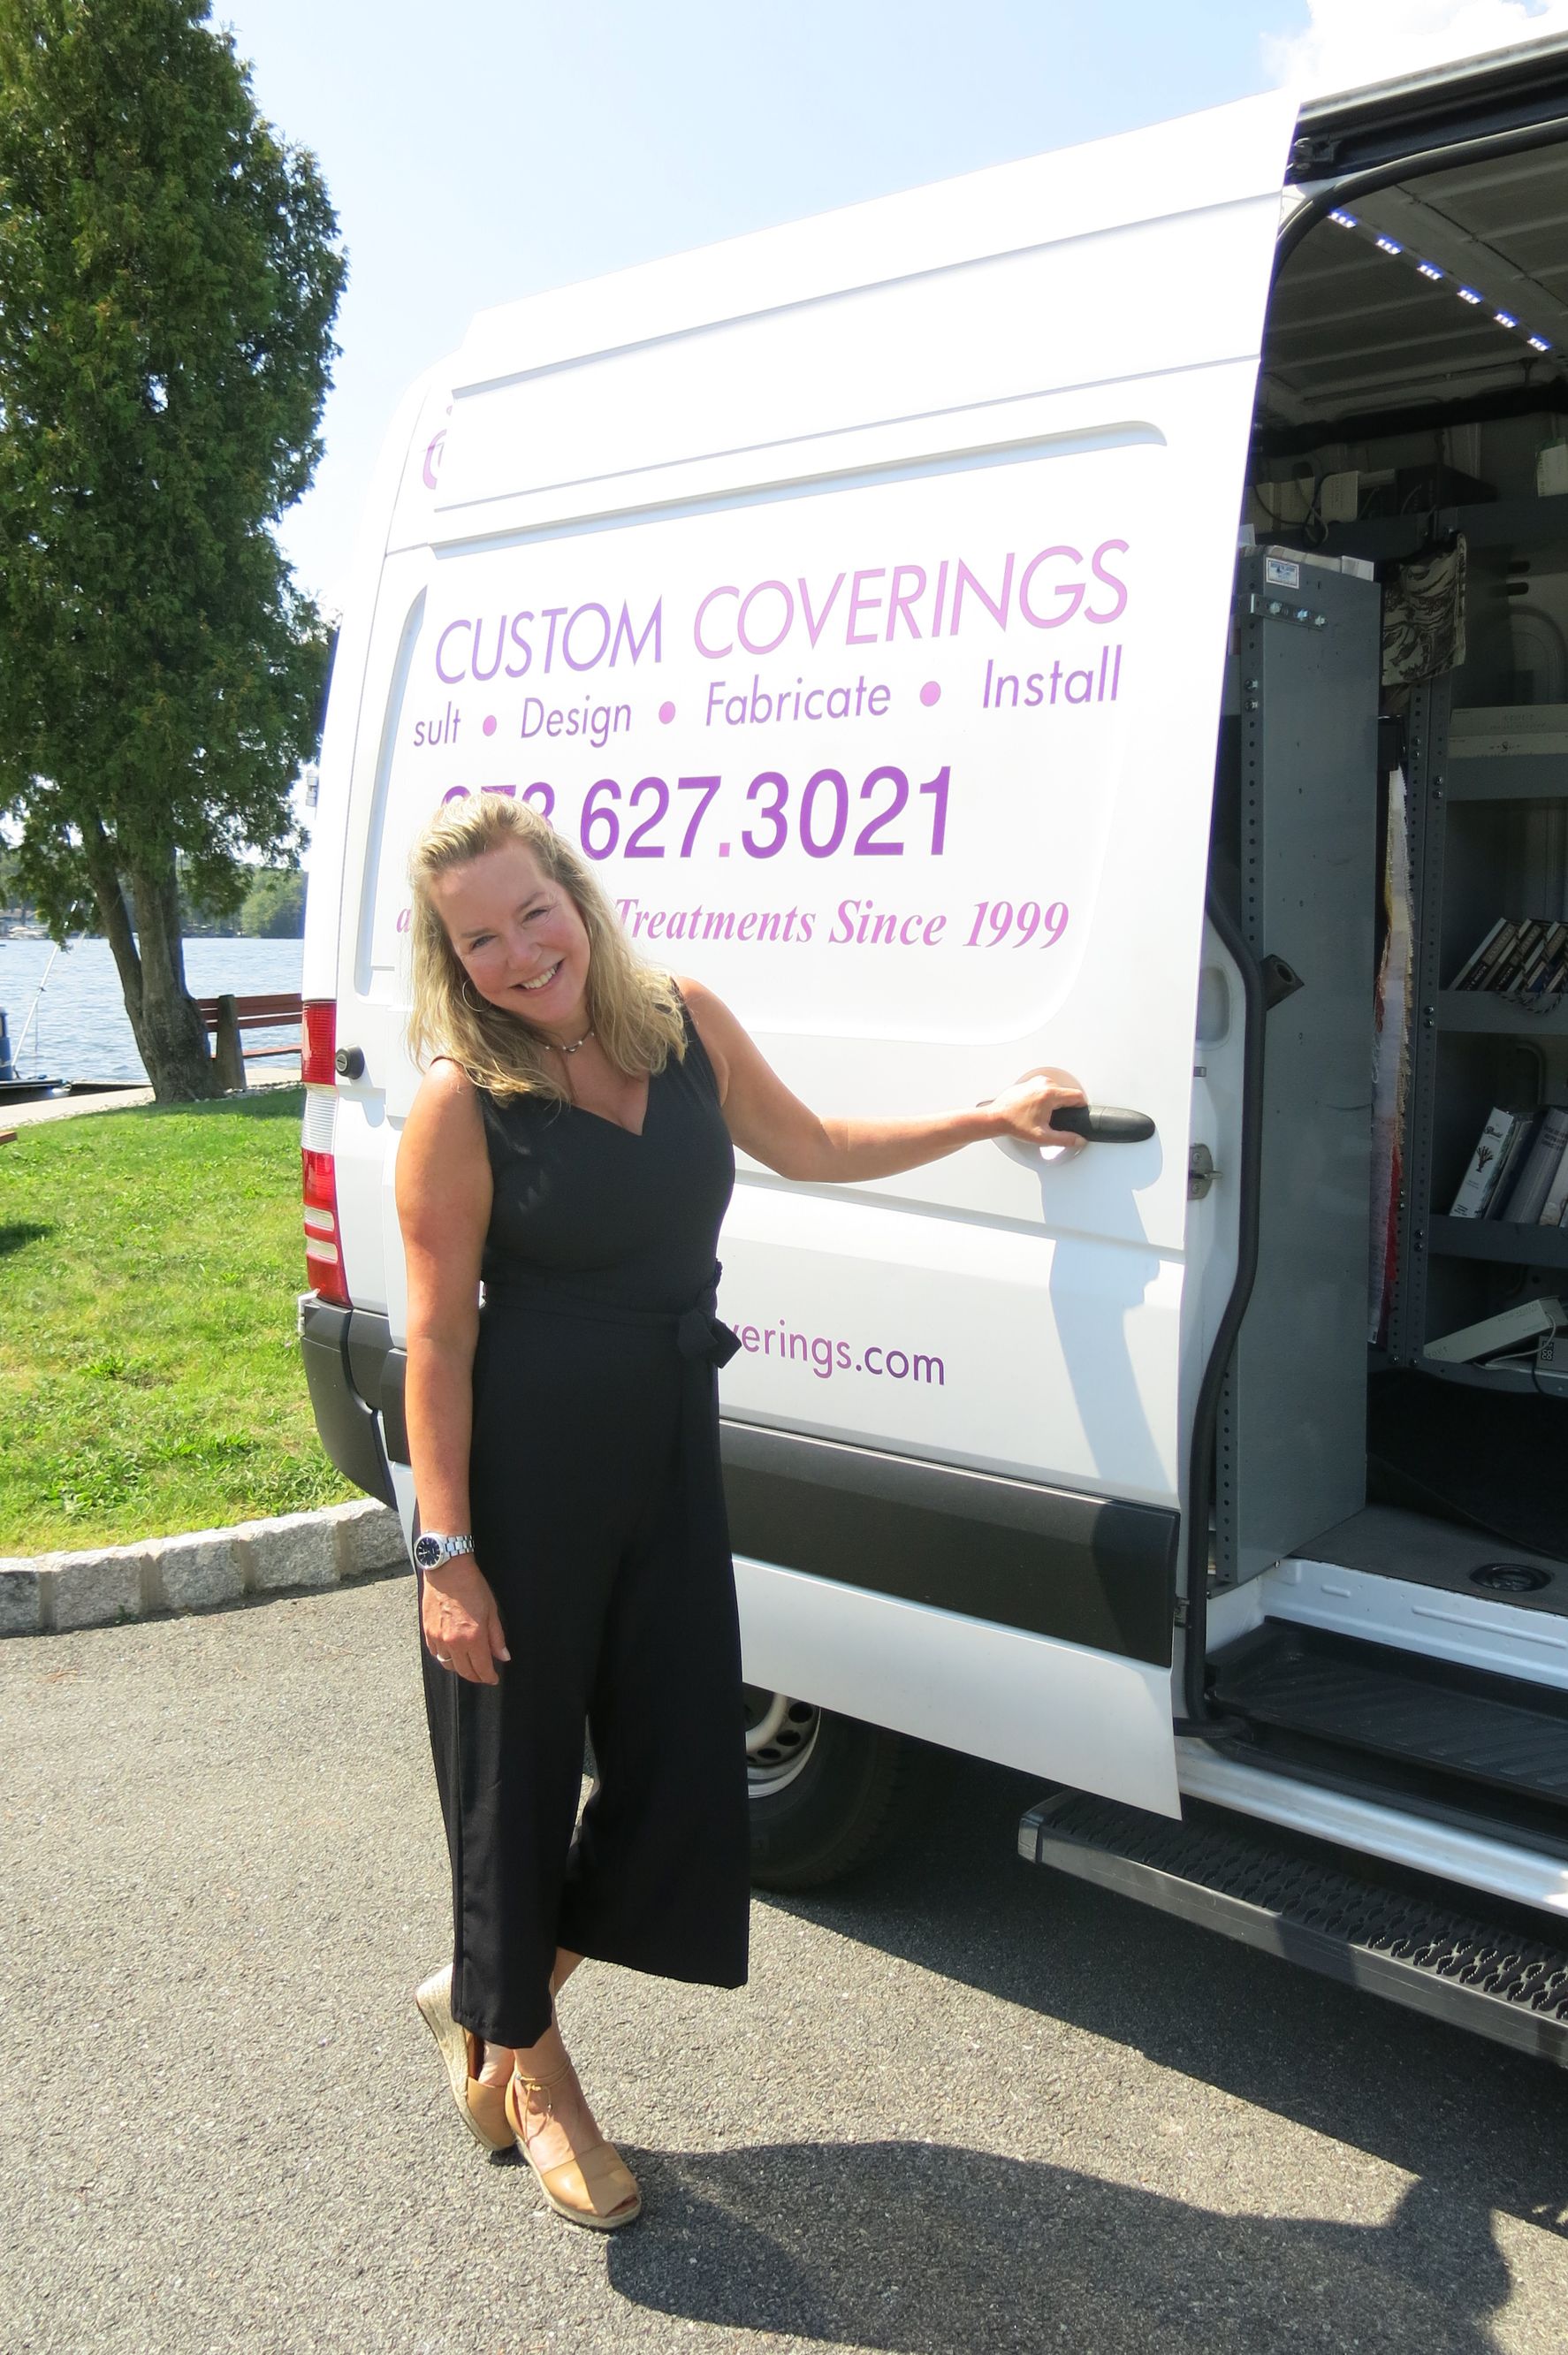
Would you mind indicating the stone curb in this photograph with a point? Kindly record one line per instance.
(49, 1593)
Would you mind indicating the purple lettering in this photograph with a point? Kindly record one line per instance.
(588, 661)
(474, 669)
(449, 677)
(966, 580)
(552, 614)
(1111, 582)
(901, 599)
(814, 624)
(520, 670)
(652, 626)
(767, 645)
(714, 654)
(859, 600)
(1070, 592)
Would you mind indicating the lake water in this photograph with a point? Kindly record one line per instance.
(81, 1030)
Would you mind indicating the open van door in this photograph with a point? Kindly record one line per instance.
(857, 595)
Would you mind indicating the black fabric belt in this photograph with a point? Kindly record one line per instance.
(699, 1330)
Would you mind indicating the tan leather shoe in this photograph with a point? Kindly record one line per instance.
(594, 2187)
(483, 2107)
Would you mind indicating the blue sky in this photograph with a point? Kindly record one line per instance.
(479, 153)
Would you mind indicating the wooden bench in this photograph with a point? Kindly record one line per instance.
(227, 1018)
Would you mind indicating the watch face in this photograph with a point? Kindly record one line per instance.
(427, 1552)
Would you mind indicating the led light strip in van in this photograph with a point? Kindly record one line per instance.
(1469, 295)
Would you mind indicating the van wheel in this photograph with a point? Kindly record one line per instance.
(822, 1790)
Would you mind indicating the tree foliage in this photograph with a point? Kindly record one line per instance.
(273, 907)
(168, 280)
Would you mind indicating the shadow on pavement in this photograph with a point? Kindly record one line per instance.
(930, 2249)
(1445, 2106)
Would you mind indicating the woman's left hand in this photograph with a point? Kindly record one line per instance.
(1029, 1107)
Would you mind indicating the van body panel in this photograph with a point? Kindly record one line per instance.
(1189, 164)
(986, 1343)
(630, 424)
(917, 1671)
(330, 846)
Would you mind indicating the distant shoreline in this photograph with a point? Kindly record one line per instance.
(200, 932)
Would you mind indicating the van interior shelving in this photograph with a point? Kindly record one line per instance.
(1411, 426)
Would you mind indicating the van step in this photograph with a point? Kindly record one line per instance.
(1450, 1719)
(1291, 1898)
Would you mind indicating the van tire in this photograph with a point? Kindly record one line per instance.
(833, 1813)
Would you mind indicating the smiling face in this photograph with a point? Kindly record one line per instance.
(518, 937)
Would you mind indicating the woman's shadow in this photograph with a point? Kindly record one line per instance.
(936, 2250)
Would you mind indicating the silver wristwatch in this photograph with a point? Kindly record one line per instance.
(431, 1551)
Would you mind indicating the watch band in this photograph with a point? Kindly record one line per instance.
(430, 1549)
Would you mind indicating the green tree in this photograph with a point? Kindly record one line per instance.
(168, 280)
(273, 907)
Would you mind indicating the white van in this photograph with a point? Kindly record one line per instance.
(1104, 611)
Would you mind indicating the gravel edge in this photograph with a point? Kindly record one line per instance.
(50, 1594)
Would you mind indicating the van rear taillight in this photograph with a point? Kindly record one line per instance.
(323, 1254)
(322, 1238)
(319, 1042)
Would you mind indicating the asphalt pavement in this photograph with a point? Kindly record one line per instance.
(963, 2104)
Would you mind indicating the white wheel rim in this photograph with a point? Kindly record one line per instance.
(780, 1735)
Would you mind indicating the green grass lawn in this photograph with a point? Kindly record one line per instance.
(150, 1376)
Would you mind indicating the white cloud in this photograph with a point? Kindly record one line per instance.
(1349, 42)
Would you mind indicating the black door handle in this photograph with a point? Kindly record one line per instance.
(1104, 1124)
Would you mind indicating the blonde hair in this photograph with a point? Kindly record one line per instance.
(634, 1011)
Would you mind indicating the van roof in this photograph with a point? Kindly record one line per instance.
(1212, 156)
(1470, 98)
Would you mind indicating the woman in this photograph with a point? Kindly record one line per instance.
(572, 1146)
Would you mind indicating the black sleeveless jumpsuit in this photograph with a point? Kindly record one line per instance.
(599, 1521)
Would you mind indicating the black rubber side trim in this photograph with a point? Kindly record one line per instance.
(345, 1422)
(369, 1340)
(1087, 1570)
(394, 1422)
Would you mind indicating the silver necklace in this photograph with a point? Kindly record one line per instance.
(574, 1046)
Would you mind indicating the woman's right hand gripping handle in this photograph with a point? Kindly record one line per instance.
(461, 1626)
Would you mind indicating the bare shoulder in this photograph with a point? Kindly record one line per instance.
(718, 1028)
(444, 1132)
(447, 1101)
